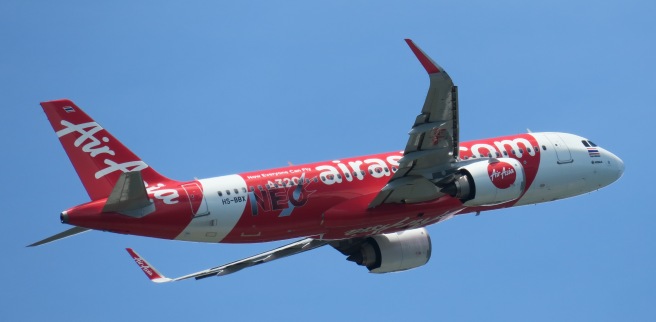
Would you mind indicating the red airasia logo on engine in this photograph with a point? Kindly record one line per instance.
(502, 174)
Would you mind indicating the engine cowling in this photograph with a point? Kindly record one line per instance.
(488, 183)
(394, 252)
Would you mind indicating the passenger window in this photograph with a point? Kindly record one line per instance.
(347, 175)
(528, 150)
(228, 192)
(544, 147)
(497, 154)
(220, 194)
(252, 188)
(236, 191)
(512, 151)
(521, 151)
(243, 189)
(259, 187)
(505, 152)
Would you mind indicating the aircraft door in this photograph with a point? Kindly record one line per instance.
(196, 199)
(562, 151)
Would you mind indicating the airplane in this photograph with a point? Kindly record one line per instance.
(373, 209)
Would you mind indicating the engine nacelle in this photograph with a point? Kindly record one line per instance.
(487, 183)
(394, 252)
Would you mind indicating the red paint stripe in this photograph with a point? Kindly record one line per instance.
(428, 64)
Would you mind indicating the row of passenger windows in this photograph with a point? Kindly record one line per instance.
(236, 191)
(260, 187)
(505, 153)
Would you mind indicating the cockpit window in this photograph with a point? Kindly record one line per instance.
(585, 143)
(591, 143)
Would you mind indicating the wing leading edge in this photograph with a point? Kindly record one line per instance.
(278, 253)
(433, 143)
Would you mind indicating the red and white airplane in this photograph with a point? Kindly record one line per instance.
(371, 208)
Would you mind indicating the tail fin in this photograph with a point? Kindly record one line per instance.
(98, 158)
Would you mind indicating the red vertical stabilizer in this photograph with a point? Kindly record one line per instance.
(97, 156)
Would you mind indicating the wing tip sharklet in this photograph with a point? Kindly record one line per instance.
(430, 66)
(151, 272)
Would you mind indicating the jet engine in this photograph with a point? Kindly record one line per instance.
(391, 252)
(487, 183)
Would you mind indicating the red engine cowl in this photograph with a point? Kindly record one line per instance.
(488, 182)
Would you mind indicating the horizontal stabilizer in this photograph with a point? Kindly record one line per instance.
(129, 196)
(64, 234)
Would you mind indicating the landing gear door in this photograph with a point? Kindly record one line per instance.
(562, 151)
(196, 199)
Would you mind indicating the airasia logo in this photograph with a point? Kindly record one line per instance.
(502, 174)
(94, 147)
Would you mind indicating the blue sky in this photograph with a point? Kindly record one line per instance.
(204, 88)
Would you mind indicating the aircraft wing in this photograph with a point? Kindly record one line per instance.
(281, 252)
(433, 144)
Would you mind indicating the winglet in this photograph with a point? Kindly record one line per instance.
(148, 269)
(430, 66)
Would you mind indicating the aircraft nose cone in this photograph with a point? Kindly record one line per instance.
(620, 166)
(617, 166)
